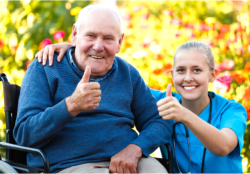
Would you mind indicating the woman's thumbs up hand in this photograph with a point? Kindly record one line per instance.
(169, 107)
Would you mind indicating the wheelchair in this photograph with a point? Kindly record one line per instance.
(15, 160)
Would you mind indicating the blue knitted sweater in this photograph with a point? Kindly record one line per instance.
(44, 122)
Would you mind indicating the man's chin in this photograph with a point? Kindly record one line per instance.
(95, 73)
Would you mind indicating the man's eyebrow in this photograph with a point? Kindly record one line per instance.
(109, 35)
(91, 32)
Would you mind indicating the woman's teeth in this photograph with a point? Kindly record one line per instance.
(189, 87)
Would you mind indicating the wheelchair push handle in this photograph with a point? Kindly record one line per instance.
(3, 77)
(30, 150)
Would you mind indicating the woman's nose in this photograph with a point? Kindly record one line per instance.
(188, 77)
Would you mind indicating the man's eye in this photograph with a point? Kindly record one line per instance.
(108, 38)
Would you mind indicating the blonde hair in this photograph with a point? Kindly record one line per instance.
(196, 45)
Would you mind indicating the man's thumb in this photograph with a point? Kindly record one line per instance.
(86, 75)
(169, 90)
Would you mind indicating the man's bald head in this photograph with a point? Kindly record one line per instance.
(83, 13)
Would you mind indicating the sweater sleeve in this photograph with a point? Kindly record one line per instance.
(38, 119)
(154, 131)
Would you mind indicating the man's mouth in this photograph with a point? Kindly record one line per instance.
(96, 57)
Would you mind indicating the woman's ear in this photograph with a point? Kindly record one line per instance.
(214, 74)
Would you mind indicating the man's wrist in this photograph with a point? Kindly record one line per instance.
(71, 107)
(137, 150)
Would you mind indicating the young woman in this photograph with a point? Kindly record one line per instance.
(208, 129)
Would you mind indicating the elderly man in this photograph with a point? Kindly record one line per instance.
(81, 111)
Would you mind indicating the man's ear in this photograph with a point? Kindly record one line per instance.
(120, 43)
(74, 35)
(213, 75)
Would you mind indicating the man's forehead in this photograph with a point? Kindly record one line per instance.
(100, 20)
(94, 30)
(101, 12)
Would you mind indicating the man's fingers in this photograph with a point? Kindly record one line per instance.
(133, 170)
(86, 75)
(96, 100)
(112, 167)
(96, 93)
(120, 169)
(169, 90)
(95, 85)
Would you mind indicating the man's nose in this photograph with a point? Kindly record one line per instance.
(98, 45)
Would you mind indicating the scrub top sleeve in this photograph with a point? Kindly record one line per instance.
(234, 117)
(158, 94)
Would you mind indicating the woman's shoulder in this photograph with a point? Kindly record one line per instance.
(223, 105)
(162, 94)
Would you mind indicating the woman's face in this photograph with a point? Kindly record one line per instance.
(191, 74)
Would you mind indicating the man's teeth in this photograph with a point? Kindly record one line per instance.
(189, 87)
(97, 57)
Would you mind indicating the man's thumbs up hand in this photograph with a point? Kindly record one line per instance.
(86, 75)
(86, 96)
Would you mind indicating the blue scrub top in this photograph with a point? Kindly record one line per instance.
(225, 114)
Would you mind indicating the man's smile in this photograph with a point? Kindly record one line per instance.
(96, 57)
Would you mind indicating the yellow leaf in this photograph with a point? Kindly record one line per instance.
(210, 20)
(75, 11)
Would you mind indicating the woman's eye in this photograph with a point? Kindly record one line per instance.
(197, 70)
(180, 70)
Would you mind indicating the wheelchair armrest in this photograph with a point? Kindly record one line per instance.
(30, 150)
(170, 157)
(166, 152)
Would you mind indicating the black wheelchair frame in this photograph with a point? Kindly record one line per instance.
(15, 161)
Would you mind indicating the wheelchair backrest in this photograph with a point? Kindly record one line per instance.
(11, 94)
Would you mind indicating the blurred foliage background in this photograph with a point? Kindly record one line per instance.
(153, 32)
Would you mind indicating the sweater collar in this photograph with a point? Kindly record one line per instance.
(98, 79)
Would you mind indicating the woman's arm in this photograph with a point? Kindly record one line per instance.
(49, 50)
(219, 142)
